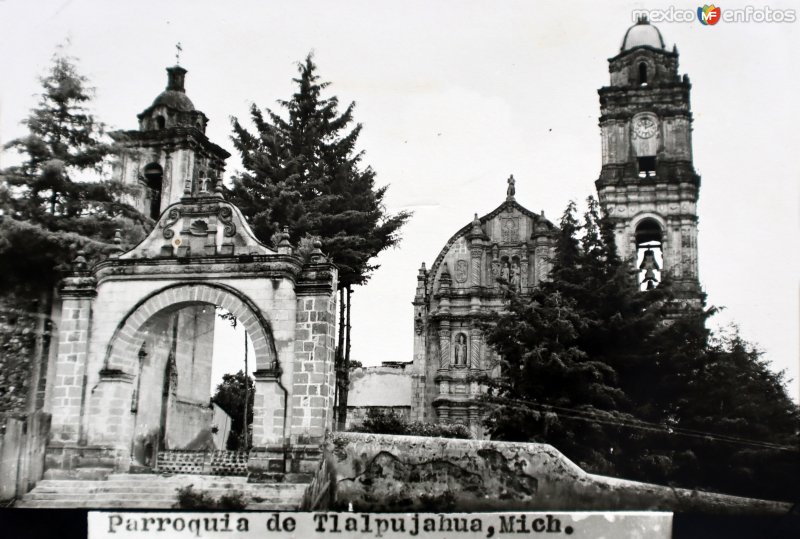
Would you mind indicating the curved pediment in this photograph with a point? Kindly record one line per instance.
(199, 227)
(509, 226)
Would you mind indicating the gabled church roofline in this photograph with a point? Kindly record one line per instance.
(509, 203)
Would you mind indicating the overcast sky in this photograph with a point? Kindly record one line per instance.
(454, 97)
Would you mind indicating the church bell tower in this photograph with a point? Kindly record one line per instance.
(169, 157)
(647, 183)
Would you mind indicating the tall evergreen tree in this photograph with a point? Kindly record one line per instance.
(57, 198)
(303, 171)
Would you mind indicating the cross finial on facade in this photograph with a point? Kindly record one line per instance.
(178, 51)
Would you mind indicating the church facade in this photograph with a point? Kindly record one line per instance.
(509, 246)
(648, 187)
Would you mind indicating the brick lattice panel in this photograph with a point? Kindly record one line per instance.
(203, 462)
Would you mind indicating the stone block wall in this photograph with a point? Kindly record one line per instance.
(70, 366)
(313, 375)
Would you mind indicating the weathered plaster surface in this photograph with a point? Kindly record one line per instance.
(408, 473)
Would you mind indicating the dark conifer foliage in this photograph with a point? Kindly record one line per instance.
(302, 171)
(631, 383)
(56, 200)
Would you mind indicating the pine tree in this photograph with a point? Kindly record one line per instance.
(56, 198)
(303, 172)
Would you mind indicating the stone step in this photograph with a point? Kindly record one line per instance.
(161, 501)
(179, 477)
(160, 491)
(114, 486)
(286, 505)
(117, 485)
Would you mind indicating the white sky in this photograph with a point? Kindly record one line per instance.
(454, 97)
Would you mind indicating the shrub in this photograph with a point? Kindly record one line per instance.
(388, 422)
(188, 498)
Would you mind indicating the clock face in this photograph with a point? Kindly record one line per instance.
(645, 126)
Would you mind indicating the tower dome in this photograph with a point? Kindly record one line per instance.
(642, 34)
(172, 107)
(175, 96)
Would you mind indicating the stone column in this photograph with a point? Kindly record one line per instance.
(523, 272)
(475, 255)
(475, 338)
(77, 293)
(444, 346)
(166, 182)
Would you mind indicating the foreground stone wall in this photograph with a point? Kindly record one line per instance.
(408, 473)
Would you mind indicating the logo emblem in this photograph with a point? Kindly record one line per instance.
(709, 15)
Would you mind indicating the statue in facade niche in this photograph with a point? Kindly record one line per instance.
(505, 271)
(515, 275)
(461, 350)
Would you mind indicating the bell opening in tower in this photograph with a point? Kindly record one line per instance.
(649, 254)
(642, 74)
(154, 177)
(647, 166)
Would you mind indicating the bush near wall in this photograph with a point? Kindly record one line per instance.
(388, 422)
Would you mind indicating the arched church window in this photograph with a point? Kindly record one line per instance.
(642, 74)
(649, 253)
(460, 351)
(161, 123)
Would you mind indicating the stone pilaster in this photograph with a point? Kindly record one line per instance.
(77, 293)
(475, 340)
(444, 345)
(313, 377)
(475, 256)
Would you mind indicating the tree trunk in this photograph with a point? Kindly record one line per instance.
(345, 385)
(246, 394)
(337, 362)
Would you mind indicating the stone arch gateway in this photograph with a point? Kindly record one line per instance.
(102, 410)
